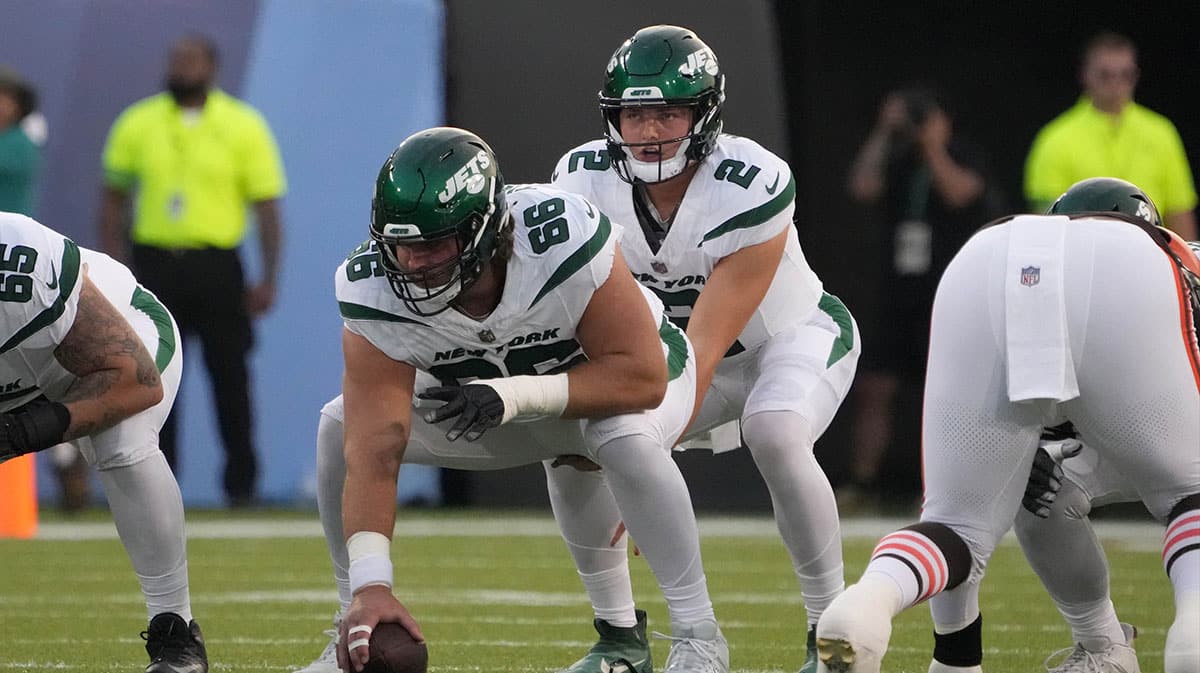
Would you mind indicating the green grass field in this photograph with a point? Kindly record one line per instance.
(493, 593)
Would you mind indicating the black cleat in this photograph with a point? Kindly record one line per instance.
(174, 646)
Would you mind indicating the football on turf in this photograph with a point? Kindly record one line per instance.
(393, 650)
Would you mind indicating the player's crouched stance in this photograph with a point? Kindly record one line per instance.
(518, 302)
(1040, 320)
(90, 357)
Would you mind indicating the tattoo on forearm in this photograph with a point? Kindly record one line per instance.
(100, 337)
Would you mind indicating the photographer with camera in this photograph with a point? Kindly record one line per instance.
(932, 191)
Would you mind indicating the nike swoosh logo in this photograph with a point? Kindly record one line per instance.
(53, 284)
(774, 185)
(617, 667)
(591, 213)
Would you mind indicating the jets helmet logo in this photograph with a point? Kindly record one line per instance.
(469, 178)
(703, 59)
(1143, 211)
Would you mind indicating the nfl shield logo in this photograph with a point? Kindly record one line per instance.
(658, 266)
(1030, 275)
(487, 336)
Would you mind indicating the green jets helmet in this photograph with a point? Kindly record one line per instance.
(663, 66)
(439, 183)
(1109, 195)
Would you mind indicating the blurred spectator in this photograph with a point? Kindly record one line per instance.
(933, 191)
(196, 157)
(20, 154)
(1107, 134)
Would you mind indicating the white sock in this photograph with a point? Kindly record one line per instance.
(148, 512)
(689, 604)
(803, 501)
(1181, 559)
(1182, 651)
(331, 477)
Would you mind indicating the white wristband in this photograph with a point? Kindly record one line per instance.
(531, 395)
(370, 560)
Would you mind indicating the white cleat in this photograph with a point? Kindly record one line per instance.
(853, 633)
(327, 662)
(699, 648)
(1117, 658)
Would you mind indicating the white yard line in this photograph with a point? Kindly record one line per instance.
(1137, 535)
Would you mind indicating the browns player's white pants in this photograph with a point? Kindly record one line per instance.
(1138, 378)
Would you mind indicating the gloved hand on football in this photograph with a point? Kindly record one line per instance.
(1045, 479)
(477, 405)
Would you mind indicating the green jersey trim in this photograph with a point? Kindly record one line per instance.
(67, 279)
(578, 259)
(147, 303)
(677, 350)
(359, 312)
(834, 308)
(755, 216)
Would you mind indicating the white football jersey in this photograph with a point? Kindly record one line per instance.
(742, 195)
(41, 273)
(563, 249)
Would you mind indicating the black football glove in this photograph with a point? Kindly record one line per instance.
(1045, 479)
(477, 406)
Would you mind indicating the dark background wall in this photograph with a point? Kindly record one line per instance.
(805, 78)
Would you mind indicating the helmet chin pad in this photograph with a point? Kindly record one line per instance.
(661, 170)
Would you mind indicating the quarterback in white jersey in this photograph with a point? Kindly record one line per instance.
(715, 240)
(1083, 315)
(90, 357)
(514, 307)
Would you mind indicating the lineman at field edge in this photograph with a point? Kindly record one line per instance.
(92, 358)
(1087, 314)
